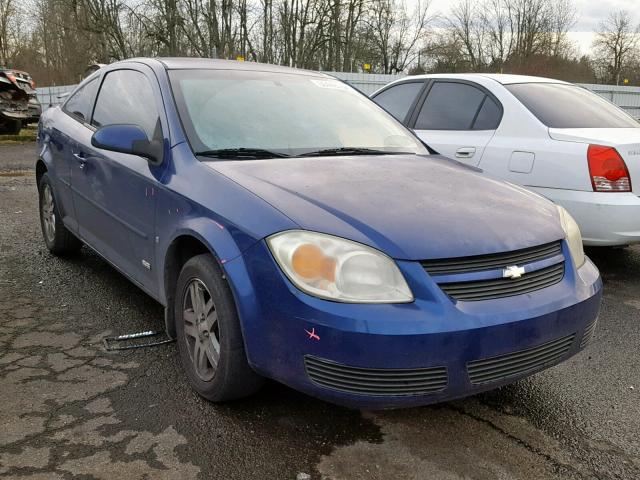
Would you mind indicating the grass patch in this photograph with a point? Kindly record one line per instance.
(16, 173)
(27, 134)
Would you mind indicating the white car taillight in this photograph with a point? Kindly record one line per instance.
(608, 171)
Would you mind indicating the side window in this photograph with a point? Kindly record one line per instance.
(79, 104)
(489, 115)
(450, 106)
(398, 99)
(126, 96)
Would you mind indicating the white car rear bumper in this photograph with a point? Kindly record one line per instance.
(604, 218)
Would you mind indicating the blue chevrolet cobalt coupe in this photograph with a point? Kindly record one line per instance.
(294, 230)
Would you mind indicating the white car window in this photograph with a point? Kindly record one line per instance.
(397, 100)
(450, 106)
(560, 105)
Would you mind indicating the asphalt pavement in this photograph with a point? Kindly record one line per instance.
(71, 410)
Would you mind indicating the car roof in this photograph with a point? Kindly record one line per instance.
(504, 79)
(184, 63)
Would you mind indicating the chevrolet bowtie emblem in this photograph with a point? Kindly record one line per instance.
(513, 272)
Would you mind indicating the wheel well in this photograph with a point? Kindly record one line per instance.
(179, 252)
(41, 168)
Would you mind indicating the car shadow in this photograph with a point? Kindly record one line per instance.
(615, 263)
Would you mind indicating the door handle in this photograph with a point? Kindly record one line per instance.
(81, 160)
(465, 152)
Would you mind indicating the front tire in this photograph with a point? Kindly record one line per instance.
(58, 239)
(210, 343)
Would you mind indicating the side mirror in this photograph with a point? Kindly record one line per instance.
(128, 139)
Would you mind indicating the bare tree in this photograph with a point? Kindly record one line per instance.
(59, 38)
(397, 34)
(499, 40)
(467, 27)
(563, 18)
(615, 44)
(7, 13)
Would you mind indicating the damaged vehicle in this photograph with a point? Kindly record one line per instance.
(19, 103)
(294, 230)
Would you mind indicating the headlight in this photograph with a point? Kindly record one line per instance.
(574, 239)
(337, 269)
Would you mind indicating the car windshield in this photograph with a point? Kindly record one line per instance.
(560, 105)
(249, 114)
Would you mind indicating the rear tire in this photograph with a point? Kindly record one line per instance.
(210, 343)
(57, 238)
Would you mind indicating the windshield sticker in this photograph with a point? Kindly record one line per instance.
(334, 84)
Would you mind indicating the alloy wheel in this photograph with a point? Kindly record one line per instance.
(48, 214)
(201, 329)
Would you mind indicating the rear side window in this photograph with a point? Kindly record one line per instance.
(489, 115)
(458, 106)
(79, 104)
(569, 106)
(397, 100)
(126, 96)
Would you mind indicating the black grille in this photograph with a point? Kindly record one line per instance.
(518, 363)
(504, 287)
(376, 381)
(493, 261)
(587, 336)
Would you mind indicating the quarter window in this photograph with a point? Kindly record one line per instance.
(126, 97)
(458, 106)
(397, 100)
(489, 115)
(79, 104)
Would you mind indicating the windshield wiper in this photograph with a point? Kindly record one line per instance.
(240, 153)
(348, 151)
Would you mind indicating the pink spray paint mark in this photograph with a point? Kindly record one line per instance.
(312, 334)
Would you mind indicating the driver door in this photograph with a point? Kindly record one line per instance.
(114, 193)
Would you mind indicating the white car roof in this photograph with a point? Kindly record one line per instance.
(504, 79)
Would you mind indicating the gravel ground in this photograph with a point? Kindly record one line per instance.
(69, 409)
(17, 156)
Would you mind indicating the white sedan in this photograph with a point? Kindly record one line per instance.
(555, 138)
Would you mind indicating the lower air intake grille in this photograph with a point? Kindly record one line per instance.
(518, 363)
(504, 287)
(587, 336)
(376, 381)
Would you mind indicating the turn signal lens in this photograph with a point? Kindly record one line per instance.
(608, 171)
(310, 262)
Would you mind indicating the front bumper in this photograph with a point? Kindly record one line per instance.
(286, 331)
(605, 219)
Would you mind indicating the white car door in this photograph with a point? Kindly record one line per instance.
(457, 119)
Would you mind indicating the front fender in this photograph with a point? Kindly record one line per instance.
(213, 235)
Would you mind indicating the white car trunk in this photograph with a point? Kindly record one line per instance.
(625, 140)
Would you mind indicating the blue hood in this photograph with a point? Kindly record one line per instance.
(408, 206)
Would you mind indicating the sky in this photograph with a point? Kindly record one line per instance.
(590, 13)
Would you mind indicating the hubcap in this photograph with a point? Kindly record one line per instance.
(201, 330)
(48, 214)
